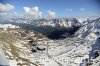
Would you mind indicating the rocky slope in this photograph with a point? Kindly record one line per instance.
(15, 44)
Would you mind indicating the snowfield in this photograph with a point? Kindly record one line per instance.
(3, 60)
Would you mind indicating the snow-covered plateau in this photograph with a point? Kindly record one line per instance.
(22, 47)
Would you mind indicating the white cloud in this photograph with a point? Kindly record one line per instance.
(16, 15)
(69, 9)
(50, 14)
(4, 16)
(32, 12)
(6, 7)
(82, 9)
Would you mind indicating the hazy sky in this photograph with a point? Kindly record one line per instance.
(55, 8)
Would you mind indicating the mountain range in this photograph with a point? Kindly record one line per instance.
(50, 42)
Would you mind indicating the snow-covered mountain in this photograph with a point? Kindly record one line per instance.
(63, 22)
(30, 48)
(56, 22)
(52, 28)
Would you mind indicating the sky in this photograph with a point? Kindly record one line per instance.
(50, 8)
